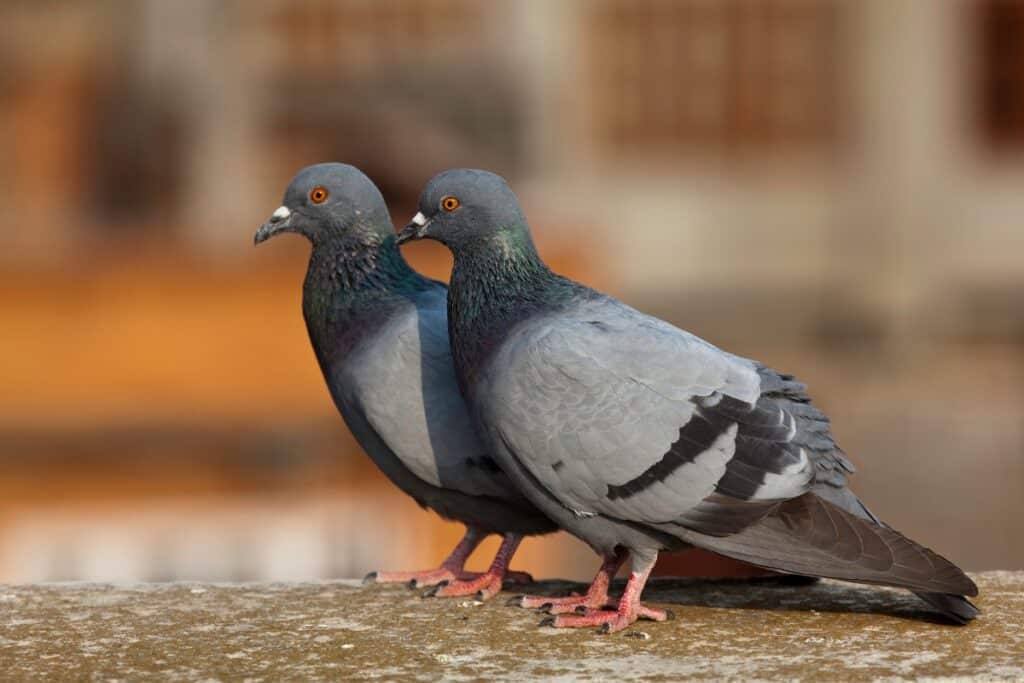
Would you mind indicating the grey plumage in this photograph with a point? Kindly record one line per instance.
(630, 432)
(379, 331)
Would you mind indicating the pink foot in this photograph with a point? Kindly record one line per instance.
(567, 605)
(596, 596)
(461, 582)
(417, 579)
(432, 577)
(629, 607)
(488, 584)
(485, 586)
(610, 621)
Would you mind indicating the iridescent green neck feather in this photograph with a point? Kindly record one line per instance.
(355, 277)
(497, 282)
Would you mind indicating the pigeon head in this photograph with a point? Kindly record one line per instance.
(464, 206)
(330, 203)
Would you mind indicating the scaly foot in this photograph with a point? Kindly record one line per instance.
(610, 621)
(484, 587)
(416, 579)
(596, 596)
(567, 605)
(432, 577)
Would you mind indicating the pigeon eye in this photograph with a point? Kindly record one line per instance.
(318, 195)
(449, 203)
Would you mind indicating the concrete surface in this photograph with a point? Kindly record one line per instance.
(341, 630)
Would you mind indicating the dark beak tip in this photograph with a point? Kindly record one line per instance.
(409, 233)
(268, 230)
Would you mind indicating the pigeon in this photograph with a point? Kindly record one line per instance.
(638, 437)
(380, 333)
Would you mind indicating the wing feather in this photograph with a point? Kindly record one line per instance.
(621, 414)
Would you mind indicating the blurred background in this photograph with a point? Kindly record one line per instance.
(835, 188)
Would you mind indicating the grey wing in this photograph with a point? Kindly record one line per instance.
(408, 393)
(620, 414)
(832, 467)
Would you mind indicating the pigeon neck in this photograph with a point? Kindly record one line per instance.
(496, 284)
(349, 280)
(366, 263)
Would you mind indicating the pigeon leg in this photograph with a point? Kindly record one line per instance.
(488, 584)
(595, 598)
(450, 569)
(629, 609)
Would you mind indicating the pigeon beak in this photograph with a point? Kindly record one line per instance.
(416, 230)
(279, 221)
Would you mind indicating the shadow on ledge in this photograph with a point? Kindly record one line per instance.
(776, 593)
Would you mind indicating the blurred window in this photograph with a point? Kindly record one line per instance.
(369, 80)
(349, 37)
(714, 76)
(139, 160)
(1001, 46)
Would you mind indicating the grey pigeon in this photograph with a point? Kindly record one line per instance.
(638, 437)
(380, 333)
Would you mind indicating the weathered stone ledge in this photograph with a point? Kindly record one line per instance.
(342, 630)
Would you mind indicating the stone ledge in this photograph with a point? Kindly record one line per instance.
(761, 629)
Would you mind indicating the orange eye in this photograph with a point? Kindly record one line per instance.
(449, 203)
(318, 195)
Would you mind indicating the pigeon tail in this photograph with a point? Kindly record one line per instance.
(956, 608)
(812, 537)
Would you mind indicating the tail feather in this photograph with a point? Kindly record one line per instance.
(955, 607)
(813, 537)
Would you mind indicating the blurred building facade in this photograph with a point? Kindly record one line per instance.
(833, 187)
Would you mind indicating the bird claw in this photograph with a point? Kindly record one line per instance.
(433, 591)
(606, 620)
(413, 579)
(483, 588)
(651, 614)
(580, 604)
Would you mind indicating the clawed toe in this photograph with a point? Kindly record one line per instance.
(652, 614)
(580, 604)
(483, 588)
(607, 620)
(435, 590)
(599, 618)
(415, 579)
(428, 581)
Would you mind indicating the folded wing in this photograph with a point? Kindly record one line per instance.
(620, 414)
